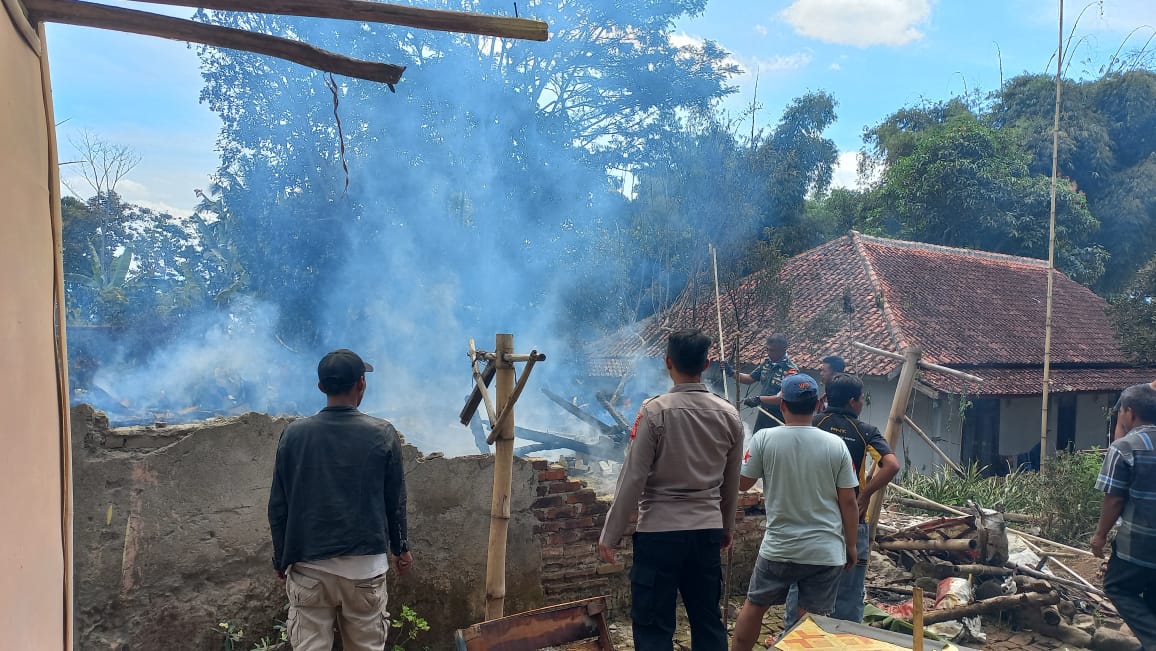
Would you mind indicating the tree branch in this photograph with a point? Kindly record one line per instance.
(87, 14)
(380, 12)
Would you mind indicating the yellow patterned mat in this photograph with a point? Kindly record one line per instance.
(809, 635)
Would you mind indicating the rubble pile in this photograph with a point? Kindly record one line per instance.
(971, 567)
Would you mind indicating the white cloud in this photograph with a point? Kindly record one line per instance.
(761, 30)
(846, 173)
(682, 39)
(777, 63)
(835, 66)
(859, 22)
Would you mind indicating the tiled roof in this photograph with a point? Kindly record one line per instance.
(978, 311)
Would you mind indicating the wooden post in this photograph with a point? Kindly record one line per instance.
(895, 422)
(917, 620)
(503, 470)
(927, 439)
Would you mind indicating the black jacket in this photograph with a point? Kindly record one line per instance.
(338, 488)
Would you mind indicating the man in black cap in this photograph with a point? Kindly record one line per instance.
(336, 511)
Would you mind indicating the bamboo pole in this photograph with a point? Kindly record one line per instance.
(927, 439)
(381, 12)
(1051, 252)
(917, 619)
(1027, 571)
(895, 423)
(950, 545)
(922, 364)
(61, 346)
(507, 412)
(722, 351)
(503, 479)
(768, 414)
(87, 14)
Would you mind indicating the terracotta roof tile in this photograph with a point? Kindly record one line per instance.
(980, 311)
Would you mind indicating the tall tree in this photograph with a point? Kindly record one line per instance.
(487, 142)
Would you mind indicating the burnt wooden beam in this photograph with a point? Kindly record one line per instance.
(579, 414)
(88, 14)
(381, 12)
(475, 399)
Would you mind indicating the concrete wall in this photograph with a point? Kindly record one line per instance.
(1020, 422)
(172, 536)
(32, 493)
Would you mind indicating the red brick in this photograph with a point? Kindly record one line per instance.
(553, 474)
(590, 534)
(539, 464)
(582, 497)
(564, 486)
(564, 537)
(579, 550)
(580, 523)
(595, 508)
(548, 501)
(547, 527)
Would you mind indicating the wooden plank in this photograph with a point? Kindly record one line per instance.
(381, 12)
(87, 14)
(536, 629)
(895, 423)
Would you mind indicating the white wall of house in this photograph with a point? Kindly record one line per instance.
(941, 420)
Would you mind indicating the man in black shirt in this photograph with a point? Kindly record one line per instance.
(841, 418)
(337, 509)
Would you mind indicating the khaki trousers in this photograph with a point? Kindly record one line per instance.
(319, 600)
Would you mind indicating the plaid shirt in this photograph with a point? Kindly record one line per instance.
(1130, 472)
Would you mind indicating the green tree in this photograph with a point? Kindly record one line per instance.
(1133, 312)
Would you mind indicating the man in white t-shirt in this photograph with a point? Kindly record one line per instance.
(812, 515)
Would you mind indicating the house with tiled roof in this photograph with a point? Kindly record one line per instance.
(978, 312)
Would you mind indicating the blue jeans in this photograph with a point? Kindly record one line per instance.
(850, 595)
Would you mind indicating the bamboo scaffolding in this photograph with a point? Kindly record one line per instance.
(895, 423)
(1047, 385)
(503, 479)
(381, 12)
(722, 351)
(923, 365)
(508, 406)
(87, 14)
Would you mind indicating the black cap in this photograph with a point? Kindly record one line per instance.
(341, 368)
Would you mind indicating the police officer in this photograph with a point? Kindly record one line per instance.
(770, 376)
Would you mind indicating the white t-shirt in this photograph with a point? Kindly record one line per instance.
(801, 468)
(354, 568)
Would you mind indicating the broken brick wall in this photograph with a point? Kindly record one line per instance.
(171, 536)
(571, 516)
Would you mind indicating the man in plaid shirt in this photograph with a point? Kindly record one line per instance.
(1128, 480)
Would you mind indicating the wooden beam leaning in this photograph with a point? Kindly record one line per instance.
(922, 364)
(895, 424)
(381, 12)
(88, 14)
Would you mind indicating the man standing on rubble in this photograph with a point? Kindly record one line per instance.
(770, 376)
(336, 510)
(1128, 479)
(809, 484)
(681, 473)
(841, 418)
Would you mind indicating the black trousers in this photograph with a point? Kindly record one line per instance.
(1132, 589)
(670, 563)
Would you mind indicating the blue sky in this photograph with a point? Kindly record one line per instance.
(873, 56)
